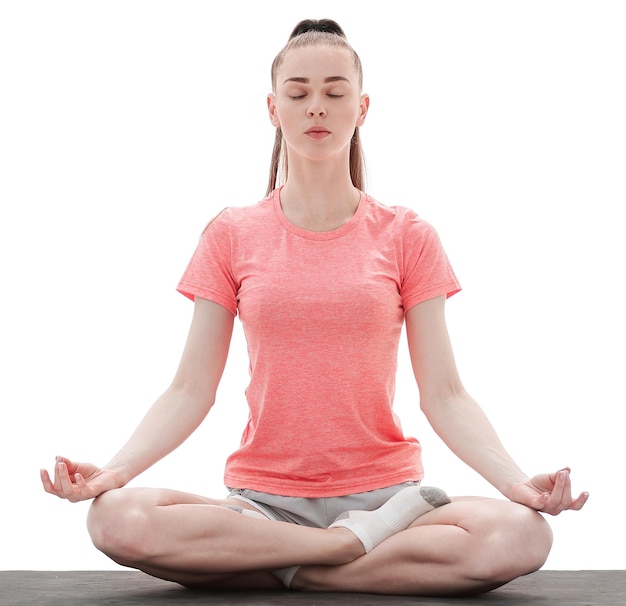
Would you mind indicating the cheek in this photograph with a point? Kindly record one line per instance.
(290, 119)
(351, 117)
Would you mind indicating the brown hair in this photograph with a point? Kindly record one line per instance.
(309, 33)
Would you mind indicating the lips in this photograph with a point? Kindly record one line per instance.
(317, 132)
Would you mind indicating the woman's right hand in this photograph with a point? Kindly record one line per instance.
(78, 481)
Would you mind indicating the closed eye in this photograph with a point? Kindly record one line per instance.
(298, 97)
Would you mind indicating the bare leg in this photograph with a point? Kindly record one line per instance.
(468, 547)
(193, 540)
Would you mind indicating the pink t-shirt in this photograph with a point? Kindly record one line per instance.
(322, 314)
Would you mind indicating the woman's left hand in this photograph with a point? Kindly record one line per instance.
(549, 493)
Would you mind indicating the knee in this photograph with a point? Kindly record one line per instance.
(517, 543)
(530, 536)
(538, 540)
(117, 523)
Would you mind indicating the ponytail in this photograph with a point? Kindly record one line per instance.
(309, 33)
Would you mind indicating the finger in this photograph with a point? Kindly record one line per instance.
(71, 466)
(67, 487)
(47, 482)
(57, 478)
(560, 496)
(558, 490)
(567, 501)
(566, 491)
(580, 501)
(83, 487)
(538, 502)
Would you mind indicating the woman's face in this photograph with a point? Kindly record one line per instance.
(317, 101)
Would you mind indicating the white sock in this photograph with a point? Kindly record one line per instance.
(373, 527)
(246, 512)
(283, 574)
(286, 575)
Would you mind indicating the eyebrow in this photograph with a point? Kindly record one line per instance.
(306, 80)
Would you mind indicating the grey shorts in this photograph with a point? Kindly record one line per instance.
(318, 512)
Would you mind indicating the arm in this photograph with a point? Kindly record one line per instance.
(171, 419)
(461, 423)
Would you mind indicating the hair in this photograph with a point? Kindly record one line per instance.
(312, 32)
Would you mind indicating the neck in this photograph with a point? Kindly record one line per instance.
(319, 197)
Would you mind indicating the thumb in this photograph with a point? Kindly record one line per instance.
(71, 466)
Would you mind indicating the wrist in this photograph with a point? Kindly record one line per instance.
(121, 473)
(509, 485)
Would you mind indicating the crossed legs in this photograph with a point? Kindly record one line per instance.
(196, 541)
(467, 547)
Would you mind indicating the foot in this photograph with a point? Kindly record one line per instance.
(373, 527)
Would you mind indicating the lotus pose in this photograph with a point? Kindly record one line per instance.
(325, 491)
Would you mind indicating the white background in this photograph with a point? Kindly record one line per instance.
(125, 126)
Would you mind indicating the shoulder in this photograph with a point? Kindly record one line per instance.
(237, 218)
(402, 220)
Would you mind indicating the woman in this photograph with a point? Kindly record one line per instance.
(325, 489)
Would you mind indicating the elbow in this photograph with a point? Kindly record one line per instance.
(198, 398)
(442, 397)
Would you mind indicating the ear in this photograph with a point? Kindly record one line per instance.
(271, 108)
(363, 108)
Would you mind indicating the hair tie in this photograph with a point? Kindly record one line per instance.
(325, 26)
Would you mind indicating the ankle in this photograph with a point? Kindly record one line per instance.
(300, 581)
(318, 578)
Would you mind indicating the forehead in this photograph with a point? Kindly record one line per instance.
(317, 62)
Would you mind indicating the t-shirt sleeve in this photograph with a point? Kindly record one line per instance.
(426, 270)
(209, 273)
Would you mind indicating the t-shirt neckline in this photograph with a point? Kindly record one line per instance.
(318, 235)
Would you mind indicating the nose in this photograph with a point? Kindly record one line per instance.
(316, 108)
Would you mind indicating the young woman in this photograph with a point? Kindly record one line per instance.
(325, 489)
